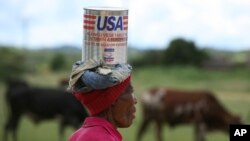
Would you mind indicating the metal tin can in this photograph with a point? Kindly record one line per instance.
(105, 35)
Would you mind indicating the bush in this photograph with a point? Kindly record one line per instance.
(182, 52)
(12, 62)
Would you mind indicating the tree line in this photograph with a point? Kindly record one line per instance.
(178, 52)
(15, 62)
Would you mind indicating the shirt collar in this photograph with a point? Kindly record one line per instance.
(97, 121)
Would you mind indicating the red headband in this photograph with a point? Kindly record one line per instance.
(98, 100)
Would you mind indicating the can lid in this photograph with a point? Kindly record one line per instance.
(119, 11)
(106, 8)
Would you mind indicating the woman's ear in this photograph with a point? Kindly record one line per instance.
(114, 103)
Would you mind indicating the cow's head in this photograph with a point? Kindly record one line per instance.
(232, 119)
(235, 120)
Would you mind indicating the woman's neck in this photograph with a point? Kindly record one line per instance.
(107, 114)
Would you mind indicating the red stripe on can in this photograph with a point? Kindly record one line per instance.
(89, 27)
(89, 22)
(125, 22)
(125, 17)
(90, 16)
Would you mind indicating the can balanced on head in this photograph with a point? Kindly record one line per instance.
(105, 35)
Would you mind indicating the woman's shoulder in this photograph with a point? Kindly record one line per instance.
(92, 134)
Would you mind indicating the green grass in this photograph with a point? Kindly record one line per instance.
(232, 88)
(191, 78)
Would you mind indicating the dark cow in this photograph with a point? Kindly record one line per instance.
(176, 107)
(41, 104)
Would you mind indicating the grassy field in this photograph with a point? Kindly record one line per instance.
(231, 87)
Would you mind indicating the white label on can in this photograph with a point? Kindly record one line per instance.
(105, 37)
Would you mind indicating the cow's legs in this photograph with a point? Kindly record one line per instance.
(159, 130)
(61, 129)
(143, 128)
(200, 131)
(11, 125)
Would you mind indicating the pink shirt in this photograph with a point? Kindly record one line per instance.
(96, 129)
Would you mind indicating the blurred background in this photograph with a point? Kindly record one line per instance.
(189, 45)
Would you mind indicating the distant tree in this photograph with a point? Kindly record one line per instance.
(182, 52)
(148, 58)
(58, 62)
(154, 57)
(12, 62)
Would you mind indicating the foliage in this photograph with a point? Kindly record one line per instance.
(182, 52)
(12, 62)
(179, 52)
(148, 58)
(58, 62)
(17, 62)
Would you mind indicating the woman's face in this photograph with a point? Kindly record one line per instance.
(123, 110)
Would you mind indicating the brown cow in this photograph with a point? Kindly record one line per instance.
(176, 107)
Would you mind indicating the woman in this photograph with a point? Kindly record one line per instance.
(109, 109)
